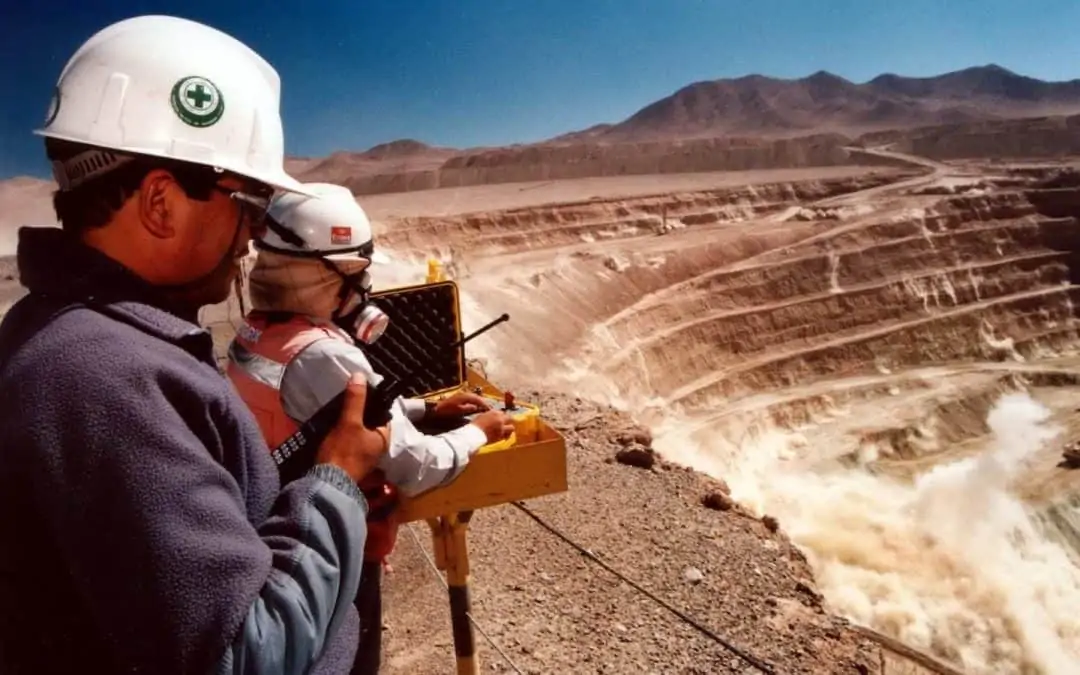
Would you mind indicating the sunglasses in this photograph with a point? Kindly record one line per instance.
(253, 207)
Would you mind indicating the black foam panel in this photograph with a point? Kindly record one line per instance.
(418, 345)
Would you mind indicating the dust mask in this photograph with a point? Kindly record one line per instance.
(356, 314)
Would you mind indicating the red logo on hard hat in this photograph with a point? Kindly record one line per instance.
(341, 236)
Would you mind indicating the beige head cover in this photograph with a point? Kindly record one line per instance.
(281, 283)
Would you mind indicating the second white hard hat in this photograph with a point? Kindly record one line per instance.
(170, 87)
(329, 224)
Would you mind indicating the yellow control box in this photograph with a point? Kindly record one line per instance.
(422, 345)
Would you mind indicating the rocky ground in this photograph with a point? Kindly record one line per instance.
(670, 529)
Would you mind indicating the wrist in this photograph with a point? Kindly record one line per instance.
(337, 476)
(429, 409)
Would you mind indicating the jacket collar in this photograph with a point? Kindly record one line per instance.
(53, 263)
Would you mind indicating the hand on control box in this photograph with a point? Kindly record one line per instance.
(460, 404)
(495, 424)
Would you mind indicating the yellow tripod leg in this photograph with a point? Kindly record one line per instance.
(452, 556)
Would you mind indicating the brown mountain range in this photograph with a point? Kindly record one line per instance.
(751, 122)
(756, 105)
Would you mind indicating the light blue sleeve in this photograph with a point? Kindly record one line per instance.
(316, 537)
(415, 462)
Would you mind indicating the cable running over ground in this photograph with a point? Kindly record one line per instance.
(704, 630)
(442, 580)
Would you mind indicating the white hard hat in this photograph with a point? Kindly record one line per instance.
(329, 224)
(169, 87)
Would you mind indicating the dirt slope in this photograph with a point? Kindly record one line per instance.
(1001, 140)
(1049, 136)
(554, 612)
(545, 162)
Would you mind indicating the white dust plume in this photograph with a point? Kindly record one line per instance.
(952, 563)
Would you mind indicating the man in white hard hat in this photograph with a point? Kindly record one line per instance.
(303, 340)
(145, 528)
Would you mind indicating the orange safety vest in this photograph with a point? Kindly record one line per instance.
(271, 346)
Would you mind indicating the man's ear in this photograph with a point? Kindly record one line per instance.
(158, 205)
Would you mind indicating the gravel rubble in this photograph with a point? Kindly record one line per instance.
(668, 528)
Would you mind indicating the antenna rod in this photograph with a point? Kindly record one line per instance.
(482, 329)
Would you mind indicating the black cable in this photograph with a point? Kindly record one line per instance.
(741, 653)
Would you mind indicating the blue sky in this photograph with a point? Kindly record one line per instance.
(487, 72)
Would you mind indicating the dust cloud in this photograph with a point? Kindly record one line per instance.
(952, 562)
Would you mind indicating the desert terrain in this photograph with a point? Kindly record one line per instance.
(832, 348)
(850, 356)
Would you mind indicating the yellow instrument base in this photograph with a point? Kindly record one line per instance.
(530, 463)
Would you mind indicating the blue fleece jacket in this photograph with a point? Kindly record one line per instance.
(142, 524)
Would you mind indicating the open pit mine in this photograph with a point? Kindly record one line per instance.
(884, 362)
(851, 387)
(881, 361)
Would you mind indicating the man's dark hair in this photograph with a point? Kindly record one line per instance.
(91, 204)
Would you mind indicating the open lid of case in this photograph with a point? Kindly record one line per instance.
(418, 346)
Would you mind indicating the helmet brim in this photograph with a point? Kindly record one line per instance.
(376, 257)
(278, 179)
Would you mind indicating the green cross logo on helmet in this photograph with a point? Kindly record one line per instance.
(197, 101)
